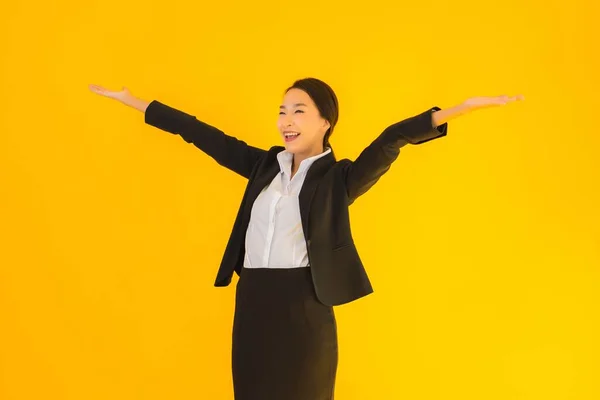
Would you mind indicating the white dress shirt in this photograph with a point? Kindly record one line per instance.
(275, 238)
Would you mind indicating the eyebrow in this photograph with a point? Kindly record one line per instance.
(295, 105)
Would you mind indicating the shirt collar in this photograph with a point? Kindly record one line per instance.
(285, 161)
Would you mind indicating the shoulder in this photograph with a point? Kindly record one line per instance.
(276, 149)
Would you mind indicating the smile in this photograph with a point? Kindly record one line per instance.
(290, 136)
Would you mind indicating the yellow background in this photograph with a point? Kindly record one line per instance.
(483, 246)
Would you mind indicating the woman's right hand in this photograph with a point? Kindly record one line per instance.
(122, 95)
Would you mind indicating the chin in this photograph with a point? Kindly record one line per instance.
(293, 148)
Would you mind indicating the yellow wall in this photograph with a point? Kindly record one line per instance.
(483, 247)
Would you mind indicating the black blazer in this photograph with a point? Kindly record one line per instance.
(329, 188)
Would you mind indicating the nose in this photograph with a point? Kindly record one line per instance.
(287, 121)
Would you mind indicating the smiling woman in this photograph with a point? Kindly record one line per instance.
(291, 243)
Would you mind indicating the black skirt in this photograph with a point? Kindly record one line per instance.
(284, 340)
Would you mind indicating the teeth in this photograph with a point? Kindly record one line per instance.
(291, 134)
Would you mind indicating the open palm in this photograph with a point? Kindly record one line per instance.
(491, 101)
(120, 95)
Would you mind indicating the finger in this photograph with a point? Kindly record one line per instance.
(102, 92)
(97, 89)
(517, 97)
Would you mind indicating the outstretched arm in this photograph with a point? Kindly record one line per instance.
(227, 150)
(376, 159)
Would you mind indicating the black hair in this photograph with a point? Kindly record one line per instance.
(324, 98)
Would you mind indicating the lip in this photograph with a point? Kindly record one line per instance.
(292, 138)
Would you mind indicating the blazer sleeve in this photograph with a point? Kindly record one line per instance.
(226, 150)
(376, 159)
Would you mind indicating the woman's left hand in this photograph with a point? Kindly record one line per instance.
(491, 101)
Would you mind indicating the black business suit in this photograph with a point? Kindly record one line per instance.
(336, 274)
(331, 186)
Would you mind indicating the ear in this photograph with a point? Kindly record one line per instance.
(326, 125)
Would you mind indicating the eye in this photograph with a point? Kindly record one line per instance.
(300, 111)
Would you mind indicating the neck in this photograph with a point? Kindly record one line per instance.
(299, 157)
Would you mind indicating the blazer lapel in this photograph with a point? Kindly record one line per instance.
(313, 177)
(262, 179)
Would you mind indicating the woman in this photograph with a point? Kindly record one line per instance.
(291, 244)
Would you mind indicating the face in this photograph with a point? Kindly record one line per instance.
(298, 114)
